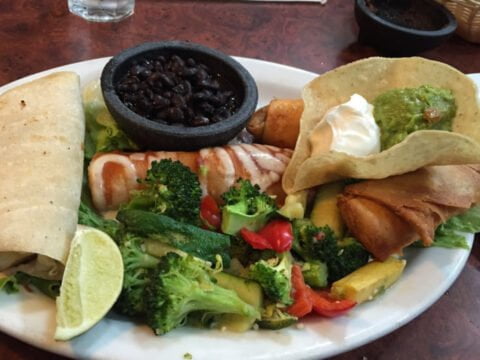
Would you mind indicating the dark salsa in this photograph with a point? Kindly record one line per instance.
(172, 90)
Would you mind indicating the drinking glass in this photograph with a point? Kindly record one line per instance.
(102, 10)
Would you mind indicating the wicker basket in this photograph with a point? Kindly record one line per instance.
(467, 13)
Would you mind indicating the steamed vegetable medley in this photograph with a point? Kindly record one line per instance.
(189, 260)
(242, 262)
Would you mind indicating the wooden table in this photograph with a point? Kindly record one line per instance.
(40, 34)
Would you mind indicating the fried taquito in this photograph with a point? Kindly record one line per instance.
(389, 214)
(278, 123)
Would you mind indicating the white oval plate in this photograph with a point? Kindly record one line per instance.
(429, 273)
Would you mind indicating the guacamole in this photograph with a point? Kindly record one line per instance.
(400, 112)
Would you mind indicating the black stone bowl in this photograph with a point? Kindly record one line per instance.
(152, 135)
(401, 40)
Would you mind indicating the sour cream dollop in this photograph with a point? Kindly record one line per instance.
(349, 128)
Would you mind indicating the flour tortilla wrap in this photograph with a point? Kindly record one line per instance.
(42, 129)
(370, 78)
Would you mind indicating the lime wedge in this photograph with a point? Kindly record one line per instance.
(91, 282)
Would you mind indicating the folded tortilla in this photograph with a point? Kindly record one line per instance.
(42, 129)
(370, 78)
(388, 214)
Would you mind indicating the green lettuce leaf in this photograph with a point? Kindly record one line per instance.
(9, 284)
(447, 235)
(102, 132)
(51, 288)
(467, 222)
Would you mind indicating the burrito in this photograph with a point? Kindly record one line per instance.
(42, 129)
(389, 214)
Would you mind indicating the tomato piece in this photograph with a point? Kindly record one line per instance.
(305, 299)
(255, 240)
(301, 307)
(279, 234)
(302, 301)
(210, 212)
(325, 305)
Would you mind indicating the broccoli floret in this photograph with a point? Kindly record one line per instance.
(274, 318)
(87, 216)
(275, 277)
(314, 243)
(182, 285)
(137, 264)
(169, 188)
(350, 256)
(246, 254)
(245, 205)
(315, 273)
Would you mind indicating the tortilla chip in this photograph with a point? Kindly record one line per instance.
(370, 78)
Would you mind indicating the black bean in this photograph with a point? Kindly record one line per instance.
(188, 87)
(157, 87)
(216, 100)
(203, 84)
(149, 93)
(162, 115)
(178, 60)
(201, 75)
(129, 97)
(189, 113)
(145, 104)
(131, 80)
(145, 74)
(166, 80)
(179, 89)
(137, 69)
(175, 114)
(214, 84)
(122, 87)
(148, 64)
(160, 102)
(178, 101)
(191, 62)
(189, 72)
(221, 114)
(151, 82)
(200, 120)
(202, 95)
(206, 109)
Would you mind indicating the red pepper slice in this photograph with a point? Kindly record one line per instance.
(210, 212)
(306, 299)
(302, 302)
(325, 305)
(256, 241)
(279, 234)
